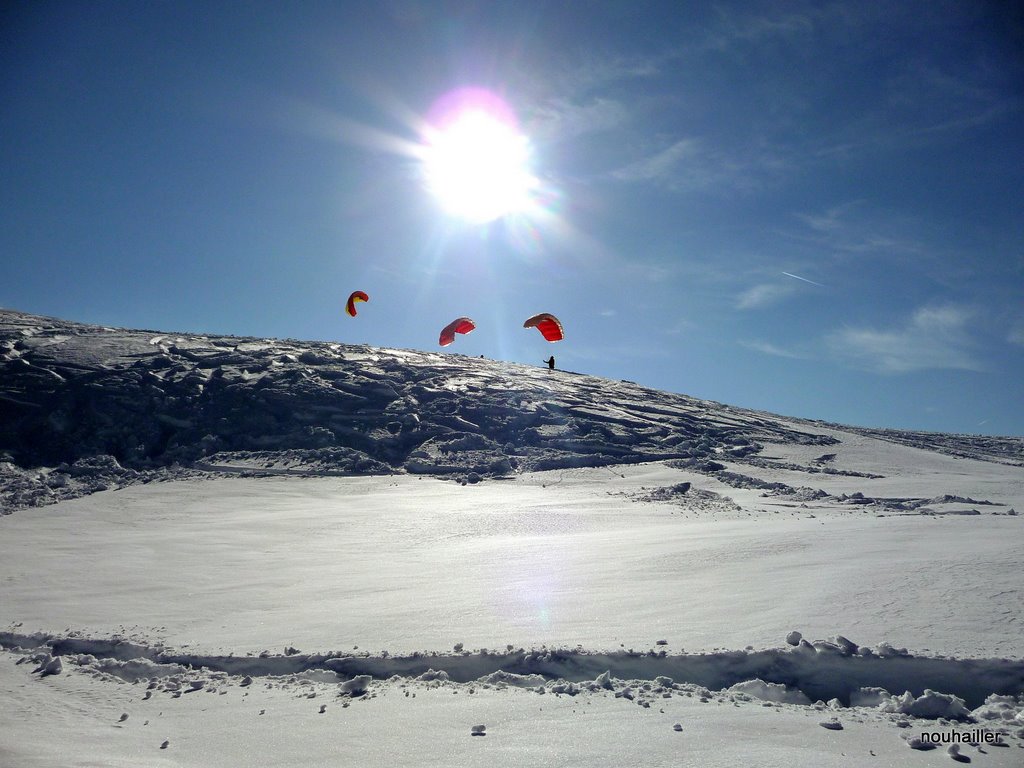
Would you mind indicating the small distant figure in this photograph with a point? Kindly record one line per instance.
(551, 363)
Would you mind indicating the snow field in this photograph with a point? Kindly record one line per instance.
(221, 551)
(410, 564)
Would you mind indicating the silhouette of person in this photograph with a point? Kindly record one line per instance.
(551, 363)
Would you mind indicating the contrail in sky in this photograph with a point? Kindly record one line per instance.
(788, 274)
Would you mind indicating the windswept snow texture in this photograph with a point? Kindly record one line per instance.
(214, 547)
(100, 407)
(70, 392)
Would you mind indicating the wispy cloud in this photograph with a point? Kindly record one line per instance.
(941, 97)
(689, 164)
(933, 338)
(851, 228)
(764, 295)
(595, 71)
(733, 28)
(830, 220)
(663, 165)
(768, 348)
(922, 104)
(560, 119)
(1016, 335)
(682, 325)
(645, 270)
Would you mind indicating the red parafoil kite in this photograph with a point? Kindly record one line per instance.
(356, 296)
(459, 325)
(549, 326)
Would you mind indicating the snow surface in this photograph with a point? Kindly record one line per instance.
(222, 551)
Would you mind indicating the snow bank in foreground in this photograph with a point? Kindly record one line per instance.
(467, 693)
(945, 688)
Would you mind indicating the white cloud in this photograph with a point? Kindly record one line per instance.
(920, 105)
(830, 221)
(560, 120)
(764, 295)
(753, 28)
(933, 338)
(1016, 335)
(595, 71)
(850, 228)
(768, 348)
(659, 166)
(682, 325)
(697, 164)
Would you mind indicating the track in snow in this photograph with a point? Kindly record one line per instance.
(820, 671)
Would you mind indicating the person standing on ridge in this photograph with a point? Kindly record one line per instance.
(551, 363)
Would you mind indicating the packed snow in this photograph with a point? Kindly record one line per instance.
(215, 548)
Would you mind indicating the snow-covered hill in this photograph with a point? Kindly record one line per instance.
(336, 554)
(91, 407)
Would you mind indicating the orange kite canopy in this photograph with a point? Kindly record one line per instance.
(459, 325)
(356, 296)
(550, 327)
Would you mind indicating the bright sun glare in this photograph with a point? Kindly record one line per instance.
(476, 162)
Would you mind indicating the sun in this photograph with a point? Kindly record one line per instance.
(475, 161)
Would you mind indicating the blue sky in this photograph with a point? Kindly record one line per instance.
(814, 209)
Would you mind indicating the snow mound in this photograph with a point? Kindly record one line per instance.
(1006, 710)
(929, 705)
(357, 686)
(501, 677)
(777, 692)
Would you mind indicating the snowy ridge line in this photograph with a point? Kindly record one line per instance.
(821, 671)
(1001, 450)
(256, 471)
(149, 400)
(88, 408)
